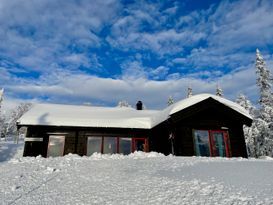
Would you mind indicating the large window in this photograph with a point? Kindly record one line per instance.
(55, 146)
(211, 143)
(125, 145)
(93, 145)
(201, 139)
(112, 145)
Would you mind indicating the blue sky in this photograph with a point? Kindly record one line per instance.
(101, 52)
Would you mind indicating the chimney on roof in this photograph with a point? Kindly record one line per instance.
(139, 105)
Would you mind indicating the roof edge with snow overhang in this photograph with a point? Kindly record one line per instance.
(114, 117)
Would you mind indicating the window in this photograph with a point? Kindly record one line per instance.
(140, 144)
(201, 138)
(110, 145)
(211, 143)
(125, 145)
(55, 146)
(93, 145)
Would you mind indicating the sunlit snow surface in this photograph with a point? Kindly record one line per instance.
(140, 178)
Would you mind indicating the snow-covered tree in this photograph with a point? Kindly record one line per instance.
(1, 96)
(189, 92)
(245, 103)
(2, 118)
(15, 114)
(170, 101)
(219, 91)
(123, 103)
(265, 117)
(264, 82)
(251, 133)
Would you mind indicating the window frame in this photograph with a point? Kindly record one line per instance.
(211, 141)
(132, 146)
(116, 141)
(93, 136)
(139, 138)
(63, 147)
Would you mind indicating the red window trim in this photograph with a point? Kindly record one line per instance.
(146, 145)
(133, 139)
(226, 141)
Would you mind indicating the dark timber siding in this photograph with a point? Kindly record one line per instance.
(75, 138)
(207, 115)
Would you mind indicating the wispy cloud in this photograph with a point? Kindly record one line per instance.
(103, 51)
(40, 34)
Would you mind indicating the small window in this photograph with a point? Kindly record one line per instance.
(110, 145)
(55, 146)
(93, 145)
(125, 145)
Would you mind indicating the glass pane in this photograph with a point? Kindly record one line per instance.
(139, 145)
(93, 145)
(125, 145)
(219, 144)
(201, 139)
(55, 146)
(110, 145)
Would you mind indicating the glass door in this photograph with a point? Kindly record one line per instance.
(55, 146)
(219, 143)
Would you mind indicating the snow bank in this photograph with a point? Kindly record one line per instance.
(139, 178)
(9, 149)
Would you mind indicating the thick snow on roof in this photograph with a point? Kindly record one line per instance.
(87, 116)
(180, 105)
(115, 117)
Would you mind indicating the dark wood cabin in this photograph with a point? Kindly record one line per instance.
(202, 125)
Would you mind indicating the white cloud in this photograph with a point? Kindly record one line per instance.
(233, 31)
(54, 38)
(79, 88)
(159, 72)
(161, 42)
(36, 34)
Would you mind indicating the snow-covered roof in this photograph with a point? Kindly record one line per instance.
(112, 117)
(180, 105)
(87, 116)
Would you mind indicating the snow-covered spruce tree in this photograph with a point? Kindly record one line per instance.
(219, 91)
(15, 114)
(170, 100)
(2, 118)
(189, 92)
(264, 82)
(265, 117)
(123, 103)
(251, 133)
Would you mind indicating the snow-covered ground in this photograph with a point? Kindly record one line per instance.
(10, 150)
(140, 178)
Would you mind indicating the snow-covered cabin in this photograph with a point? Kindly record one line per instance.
(201, 125)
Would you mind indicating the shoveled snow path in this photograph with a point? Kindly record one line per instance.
(136, 179)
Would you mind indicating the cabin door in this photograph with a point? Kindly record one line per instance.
(55, 146)
(219, 143)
